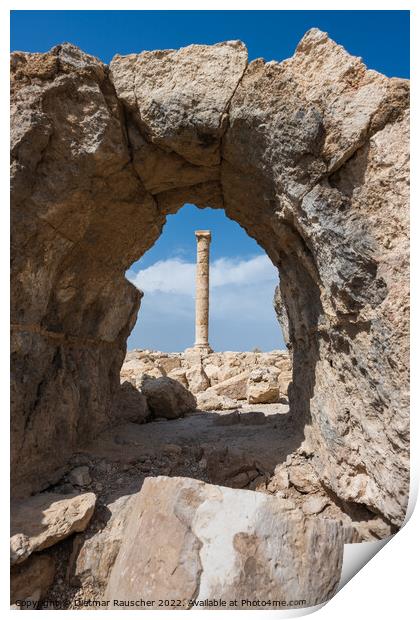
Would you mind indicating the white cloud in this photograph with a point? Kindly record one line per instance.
(241, 305)
(167, 276)
(175, 275)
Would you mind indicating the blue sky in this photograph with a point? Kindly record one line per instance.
(243, 279)
(380, 37)
(242, 286)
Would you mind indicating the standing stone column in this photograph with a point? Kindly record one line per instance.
(202, 291)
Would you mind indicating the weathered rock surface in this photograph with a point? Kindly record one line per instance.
(215, 542)
(95, 555)
(197, 379)
(129, 404)
(159, 87)
(29, 582)
(234, 388)
(309, 155)
(314, 505)
(43, 520)
(167, 398)
(262, 386)
(210, 401)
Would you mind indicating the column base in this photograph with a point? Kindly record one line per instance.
(204, 349)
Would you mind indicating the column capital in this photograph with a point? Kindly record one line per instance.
(206, 234)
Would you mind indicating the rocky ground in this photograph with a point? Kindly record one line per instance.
(250, 446)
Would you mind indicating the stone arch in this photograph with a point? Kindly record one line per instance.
(307, 155)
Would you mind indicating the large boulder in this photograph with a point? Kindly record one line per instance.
(196, 542)
(167, 83)
(167, 398)
(43, 520)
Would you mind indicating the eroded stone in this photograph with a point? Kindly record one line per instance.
(216, 542)
(43, 520)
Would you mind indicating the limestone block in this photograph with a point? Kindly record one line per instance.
(212, 372)
(210, 401)
(234, 388)
(179, 374)
(262, 386)
(227, 371)
(200, 78)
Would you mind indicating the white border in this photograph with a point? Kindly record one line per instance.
(385, 587)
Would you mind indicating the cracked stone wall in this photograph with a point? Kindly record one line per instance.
(309, 156)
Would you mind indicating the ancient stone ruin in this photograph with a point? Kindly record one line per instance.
(310, 157)
(202, 291)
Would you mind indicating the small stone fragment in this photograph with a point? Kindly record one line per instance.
(41, 521)
(80, 476)
(262, 386)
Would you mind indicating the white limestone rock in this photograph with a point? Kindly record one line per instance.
(235, 387)
(198, 380)
(262, 386)
(210, 401)
(190, 540)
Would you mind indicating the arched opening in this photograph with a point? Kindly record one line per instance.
(225, 409)
(242, 286)
(103, 155)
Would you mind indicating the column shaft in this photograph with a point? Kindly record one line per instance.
(202, 290)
